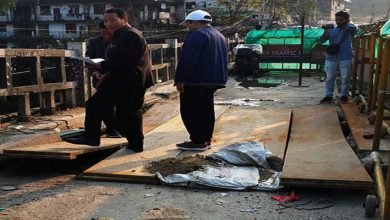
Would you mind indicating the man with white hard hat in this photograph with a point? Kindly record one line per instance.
(201, 70)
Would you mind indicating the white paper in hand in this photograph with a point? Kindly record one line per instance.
(93, 61)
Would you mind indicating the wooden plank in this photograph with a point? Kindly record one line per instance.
(160, 143)
(158, 114)
(33, 52)
(318, 154)
(157, 46)
(62, 150)
(359, 125)
(160, 66)
(37, 88)
(269, 126)
(161, 112)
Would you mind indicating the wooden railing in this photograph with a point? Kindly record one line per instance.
(370, 84)
(60, 79)
(164, 56)
(58, 76)
(27, 71)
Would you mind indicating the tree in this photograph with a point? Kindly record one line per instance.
(6, 4)
(300, 7)
(235, 10)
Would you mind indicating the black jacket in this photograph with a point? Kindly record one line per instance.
(96, 47)
(127, 60)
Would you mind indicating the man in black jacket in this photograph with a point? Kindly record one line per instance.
(129, 76)
(96, 48)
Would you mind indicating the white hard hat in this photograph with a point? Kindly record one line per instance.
(198, 15)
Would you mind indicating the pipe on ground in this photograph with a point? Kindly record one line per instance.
(380, 182)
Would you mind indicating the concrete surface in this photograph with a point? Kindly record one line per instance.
(47, 189)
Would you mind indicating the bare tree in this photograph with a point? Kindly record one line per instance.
(238, 9)
(235, 10)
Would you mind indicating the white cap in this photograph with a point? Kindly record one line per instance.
(198, 15)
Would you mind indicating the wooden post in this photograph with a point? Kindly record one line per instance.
(377, 74)
(156, 77)
(49, 103)
(371, 71)
(63, 70)
(8, 72)
(24, 110)
(173, 45)
(381, 96)
(362, 62)
(67, 98)
(39, 71)
(83, 81)
(355, 64)
(70, 98)
(40, 83)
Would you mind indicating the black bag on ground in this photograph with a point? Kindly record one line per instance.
(332, 49)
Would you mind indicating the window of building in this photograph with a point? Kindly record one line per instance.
(74, 10)
(3, 31)
(82, 30)
(3, 28)
(70, 28)
(190, 5)
(45, 10)
(141, 15)
(57, 14)
(201, 4)
(3, 44)
(92, 29)
(43, 29)
(98, 9)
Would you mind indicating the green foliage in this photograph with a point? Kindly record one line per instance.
(6, 4)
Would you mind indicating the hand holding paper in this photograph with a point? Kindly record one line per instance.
(93, 61)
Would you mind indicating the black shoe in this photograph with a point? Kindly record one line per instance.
(83, 141)
(192, 146)
(208, 143)
(344, 99)
(113, 134)
(135, 149)
(326, 100)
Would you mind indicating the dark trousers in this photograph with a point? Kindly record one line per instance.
(109, 120)
(197, 112)
(128, 118)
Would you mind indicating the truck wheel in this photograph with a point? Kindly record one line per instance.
(370, 205)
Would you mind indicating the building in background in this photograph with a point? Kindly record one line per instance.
(326, 10)
(69, 19)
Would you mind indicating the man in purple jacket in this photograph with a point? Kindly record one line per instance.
(201, 70)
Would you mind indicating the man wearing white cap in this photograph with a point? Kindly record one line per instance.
(201, 70)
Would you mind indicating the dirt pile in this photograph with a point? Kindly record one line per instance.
(184, 165)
